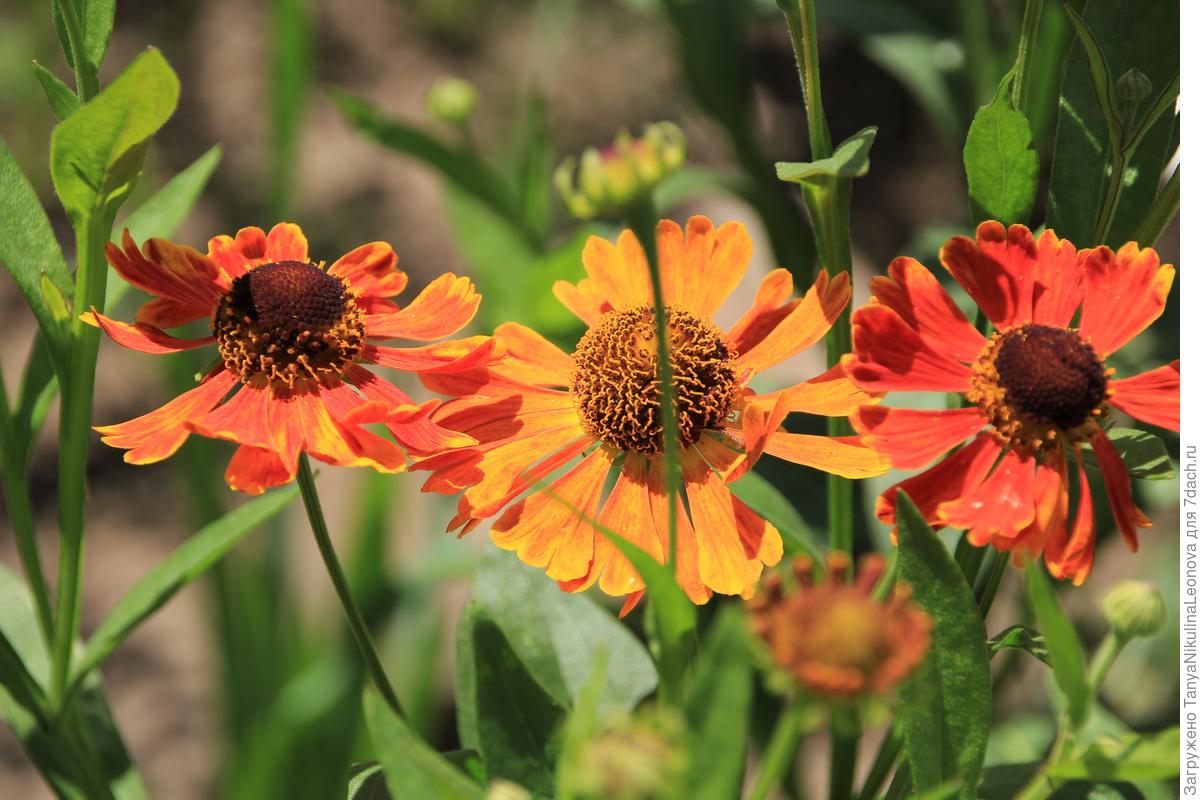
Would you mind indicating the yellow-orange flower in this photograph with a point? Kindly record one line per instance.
(541, 409)
(834, 637)
(291, 337)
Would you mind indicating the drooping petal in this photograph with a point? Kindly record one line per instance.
(803, 326)
(956, 476)
(169, 270)
(830, 394)
(142, 337)
(371, 271)
(420, 435)
(531, 358)
(772, 303)
(300, 421)
(1051, 507)
(1071, 557)
(759, 421)
(456, 355)
(443, 308)
(890, 356)
(840, 455)
(702, 266)
(1152, 396)
(1123, 293)
(999, 507)
(911, 438)
(253, 470)
(154, 436)
(914, 293)
(244, 418)
(163, 312)
(722, 561)
(627, 513)
(549, 529)
(985, 267)
(1119, 489)
(618, 272)
(760, 539)
(687, 547)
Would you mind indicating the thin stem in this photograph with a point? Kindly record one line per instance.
(1112, 196)
(75, 435)
(1164, 209)
(87, 85)
(977, 43)
(358, 628)
(998, 567)
(889, 751)
(844, 754)
(1106, 654)
(781, 750)
(1024, 66)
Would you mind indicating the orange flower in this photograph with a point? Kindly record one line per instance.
(834, 637)
(1035, 392)
(540, 409)
(291, 336)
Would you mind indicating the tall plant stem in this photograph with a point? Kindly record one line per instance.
(1024, 67)
(91, 234)
(358, 627)
(780, 752)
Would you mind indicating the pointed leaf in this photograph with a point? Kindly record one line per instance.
(849, 160)
(1062, 642)
(63, 101)
(413, 768)
(1001, 161)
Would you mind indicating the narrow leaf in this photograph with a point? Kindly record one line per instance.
(413, 768)
(946, 707)
(96, 154)
(367, 782)
(1001, 161)
(98, 22)
(63, 101)
(1062, 642)
(1135, 757)
(183, 566)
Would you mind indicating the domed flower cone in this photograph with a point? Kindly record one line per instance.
(1035, 393)
(291, 337)
(541, 410)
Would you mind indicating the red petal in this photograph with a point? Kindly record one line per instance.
(956, 476)
(253, 470)
(142, 337)
(1152, 396)
(1123, 293)
(986, 269)
(890, 356)
(1071, 557)
(1001, 506)
(168, 270)
(286, 242)
(459, 355)
(912, 438)
(1120, 491)
(371, 271)
(915, 294)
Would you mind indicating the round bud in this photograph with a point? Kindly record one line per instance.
(1134, 609)
(452, 100)
(1133, 86)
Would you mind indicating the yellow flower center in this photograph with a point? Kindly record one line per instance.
(288, 322)
(616, 384)
(1037, 382)
(849, 633)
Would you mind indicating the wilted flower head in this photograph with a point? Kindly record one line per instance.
(611, 178)
(833, 636)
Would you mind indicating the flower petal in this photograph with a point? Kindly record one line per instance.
(911, 438)
(1071, 557)
(237, 254)
(803, 326)
(1120, 491)
(154, 436)
(687, 547)
(532, 359)
(722, 560)
(457, 355)
(371, 271)
(914, 293)
(286, 242)
(443, 308)
(582, 299)
(702, 267)
(830, 394)
(253, 470)
(619, 272)
(1057, 287)
(142, 337)
(838, 455)
(890, 356)
(986, 268)
(420, 435)
(1123, 293)
(1051, 506)
(169, 270)
(1152, 396)
(772, 303)
(999, 507)
(244, 418)
(627, 513)
(956, 476)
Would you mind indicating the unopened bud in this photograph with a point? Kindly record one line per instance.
(452, 100)
(610, 179)
(1134, 609)
(1133, 86)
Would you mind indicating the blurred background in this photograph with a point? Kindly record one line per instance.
(232, 690)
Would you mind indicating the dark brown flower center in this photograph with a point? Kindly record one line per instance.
(616, 383)
(1050, 375)
(287, 322)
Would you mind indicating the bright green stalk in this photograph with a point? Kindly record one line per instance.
(74, 437)
(1024, 66)
(358, 627)
(87, 85)
(780, 752)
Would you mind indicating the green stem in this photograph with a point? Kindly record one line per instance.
(87, 85)
(977, 43)
(843, 756)
(358, 628)
(1112, 196)
(889, 751)
(1106, 654)
(75, 435)
(1024, 66)
(997, 569)
(781, 751)
(1164, 209)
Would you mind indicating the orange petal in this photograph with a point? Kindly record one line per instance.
(803, 326)
(371, 271)
(531, 358)
(687, 548)
(721, 559)
(772, 303)
(237, 254)
(301, 421)
(1000, 507)
(830, 394)
(142, 337)
(956, 476)
(457, 355)
(443, 308)
(914, 293)
(1057, 287)
(286, 242)
(627, 513)
(839, 455)
(1152, 396)
(548, 529)
(911, 438)
(1120, 491)
(253, 470)
(1123, 293)
(760, 539)
(983, 266)
(1072, 558)
(421, 435)
(244, 418)
(163, 312)
(890, 356)
(154, 436)
(169, 270)
(1051, 507)
(619, 272)
(582, 299)
(701, 269)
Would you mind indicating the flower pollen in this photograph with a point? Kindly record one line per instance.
(288, 322)
(616, 385)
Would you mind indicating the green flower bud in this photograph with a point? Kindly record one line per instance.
(501, 789)
(1134, 609)
(451, 100)
(639, 758)
(1133, 86)
(610, 179)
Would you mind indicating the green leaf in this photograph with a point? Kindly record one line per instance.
(1141, 35)
(1019, 637)
(517, 719)
(761, 496)
(1062, 642)
(367, 782)
(96, 28)
(849, 160)
(1144, 454)
(1005, 781)
(557, 635)
(1001, 161)
(28, 250)
(96, 154)
(183, 566)
(413, 768)
(292, 57)
(1134, 757)
(163, 212)
(912, 59)
(63, 101)
(946, 707)
(718, 708)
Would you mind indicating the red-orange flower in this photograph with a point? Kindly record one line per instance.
(834, 637)
(1039, 389)
(541, 409)
(291, 337)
